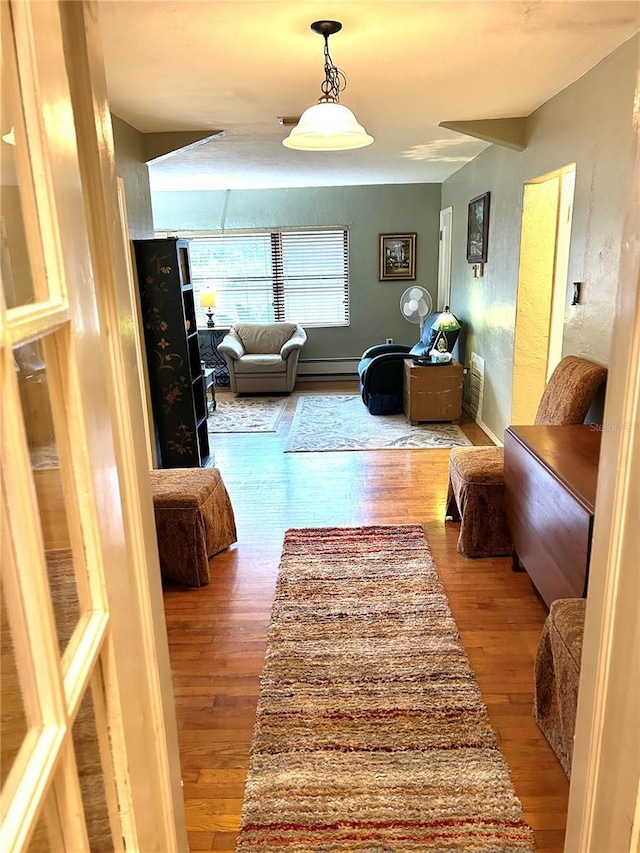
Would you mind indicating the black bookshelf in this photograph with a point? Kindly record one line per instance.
(176, 377)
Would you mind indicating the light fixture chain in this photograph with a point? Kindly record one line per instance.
(335, 79)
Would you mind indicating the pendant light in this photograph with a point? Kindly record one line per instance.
(328, 125)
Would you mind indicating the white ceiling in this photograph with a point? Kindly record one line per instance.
(236, 65)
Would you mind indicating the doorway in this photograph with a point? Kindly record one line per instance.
(444, 259)
(542, 287)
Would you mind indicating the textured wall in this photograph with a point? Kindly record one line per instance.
(130, 166)
(488, 305)
(535, 298)
(366, 211)
(588, 124)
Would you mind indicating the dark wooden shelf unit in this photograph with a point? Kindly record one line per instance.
(176, 377)
(550, 478)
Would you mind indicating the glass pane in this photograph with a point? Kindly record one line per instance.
(92, 784)
(47, 836)
(13, 723)
(16, 267)
(34, 392)
(40, 841)
(239, 269)
(92, 789)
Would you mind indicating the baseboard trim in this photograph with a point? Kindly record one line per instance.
(319, 368)
(484, 427)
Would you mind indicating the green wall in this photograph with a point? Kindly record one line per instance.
(589, 124)
(130, 166)
(366, 211)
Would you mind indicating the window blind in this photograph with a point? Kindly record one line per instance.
(299, 276)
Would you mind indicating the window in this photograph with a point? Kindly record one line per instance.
(294, 276)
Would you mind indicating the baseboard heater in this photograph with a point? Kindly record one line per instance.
(321, 368)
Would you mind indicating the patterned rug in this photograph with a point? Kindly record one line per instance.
(342, 422)
(246, 414)
(371, 734)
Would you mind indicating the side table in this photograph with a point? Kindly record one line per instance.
(209, 379)
(432, 392)
(209, 340)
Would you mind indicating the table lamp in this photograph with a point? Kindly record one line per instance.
(208, 302)
(447, 327)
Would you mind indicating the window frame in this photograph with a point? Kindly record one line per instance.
(278, 288)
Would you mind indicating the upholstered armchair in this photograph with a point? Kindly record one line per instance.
(476, 474)
(381, 369)
(262, 357)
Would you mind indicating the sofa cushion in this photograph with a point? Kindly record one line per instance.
(264, 337)
(261, 364)
(478, 465)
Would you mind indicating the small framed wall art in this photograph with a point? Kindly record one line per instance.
(478, 229)
(398, 257)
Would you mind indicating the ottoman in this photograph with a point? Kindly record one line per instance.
(194, 520)
(557, 675)
(475, 497)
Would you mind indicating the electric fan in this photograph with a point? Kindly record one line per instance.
(416, 305)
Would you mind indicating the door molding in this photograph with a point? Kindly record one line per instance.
(444, 258)
(604, 811)
(155, 774)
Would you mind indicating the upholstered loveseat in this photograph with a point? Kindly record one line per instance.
(263, 357)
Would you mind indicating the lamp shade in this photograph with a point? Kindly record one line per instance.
(444, 332)
(208, 298)
(327, 126)
(448, 322)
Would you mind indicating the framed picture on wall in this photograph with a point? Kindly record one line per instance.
(478, 229)
(397, 257)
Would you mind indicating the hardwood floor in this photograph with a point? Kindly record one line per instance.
(217, 634)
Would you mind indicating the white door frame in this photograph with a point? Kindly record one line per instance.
(119, 646)
(604, 804)
(444, 258)
(112, 271)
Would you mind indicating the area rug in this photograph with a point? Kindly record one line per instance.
(371, 734)
(246, 414)
(343, 422)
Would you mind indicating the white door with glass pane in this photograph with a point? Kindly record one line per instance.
(86, 740)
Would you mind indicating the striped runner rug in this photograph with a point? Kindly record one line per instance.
(371, 734)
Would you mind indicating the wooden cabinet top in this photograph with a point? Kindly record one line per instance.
(411, 363)
(569, 452)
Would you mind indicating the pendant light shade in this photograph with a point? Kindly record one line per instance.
(328, 125)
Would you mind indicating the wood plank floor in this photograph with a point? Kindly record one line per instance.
(217, 634)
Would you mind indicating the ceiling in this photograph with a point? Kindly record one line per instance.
(236, 65)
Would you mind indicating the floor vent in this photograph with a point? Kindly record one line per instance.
(476, 385)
